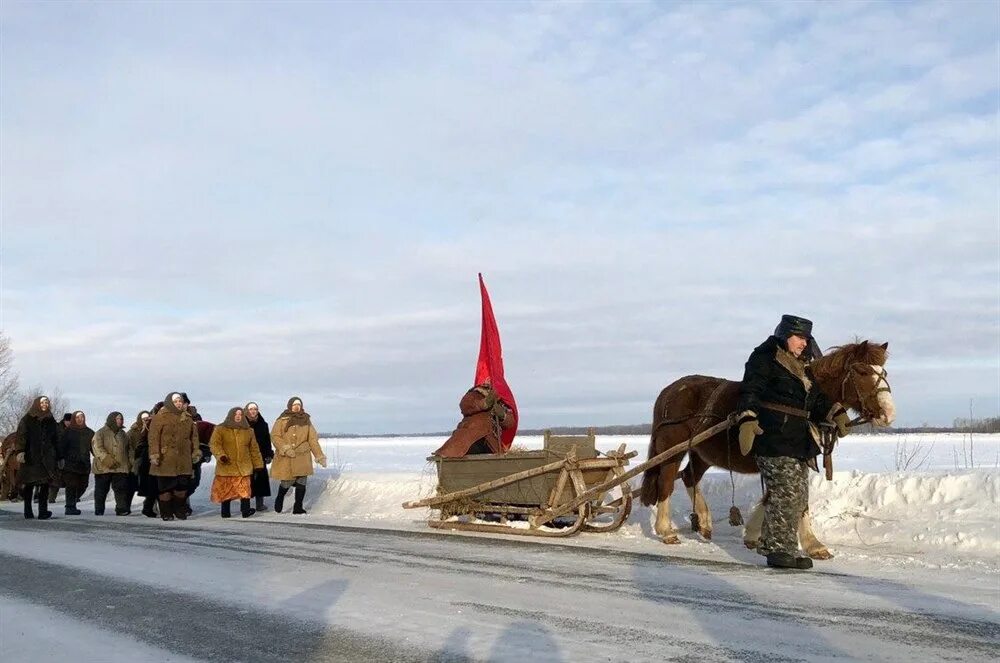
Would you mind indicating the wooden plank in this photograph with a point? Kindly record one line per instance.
(658, 459)
(484, 487)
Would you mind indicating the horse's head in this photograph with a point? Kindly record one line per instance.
(855, 375)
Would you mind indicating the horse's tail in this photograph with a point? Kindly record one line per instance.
(650, 491)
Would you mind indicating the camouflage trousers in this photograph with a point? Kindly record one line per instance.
(787, 498)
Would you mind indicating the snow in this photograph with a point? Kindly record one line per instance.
(938, 516)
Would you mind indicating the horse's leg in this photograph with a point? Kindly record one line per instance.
(701, 519)
(751, 533)
(664, 527)
(809, 542)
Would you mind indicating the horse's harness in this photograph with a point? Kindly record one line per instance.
(867, 414)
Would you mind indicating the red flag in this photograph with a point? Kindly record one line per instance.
(490, 365)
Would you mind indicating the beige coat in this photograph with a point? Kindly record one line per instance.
(113, 452)
(173, 442)
(295, 446)
(238, 445)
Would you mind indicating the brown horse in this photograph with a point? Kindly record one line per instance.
(852, 374)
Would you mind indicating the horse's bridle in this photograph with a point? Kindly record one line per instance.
(867, 414)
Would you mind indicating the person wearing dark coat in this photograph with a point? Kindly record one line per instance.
(57, 483)
(145, 483)
(780, 408)
(205, 430)
(260, 483)
(37, 454)
(74, 460)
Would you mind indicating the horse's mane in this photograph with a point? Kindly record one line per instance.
(836, 363)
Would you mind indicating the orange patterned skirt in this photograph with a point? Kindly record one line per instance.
(225, 489)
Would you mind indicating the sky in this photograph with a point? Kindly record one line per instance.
(258, 200)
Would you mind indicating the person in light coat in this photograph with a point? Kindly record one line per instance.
(114, 456)
(237, 457)
(296, 444)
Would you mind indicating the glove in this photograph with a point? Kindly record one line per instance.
(749, 430)
(499, 411)
(224, 460)
(491, 400)
(154, 460)
(268, 459)
(20, 458)
(321, 460)
(842, 419)
(61, 464)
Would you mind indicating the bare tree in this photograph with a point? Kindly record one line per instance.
(14, 402)
(10, 395)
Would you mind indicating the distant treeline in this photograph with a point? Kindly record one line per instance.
(989, 425)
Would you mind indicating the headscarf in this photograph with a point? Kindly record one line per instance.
(231, 422)
(36, 409)
(298, 418)
(112, 421)
(137, 426)
(246, 410)
(74, 425)
(168, 403)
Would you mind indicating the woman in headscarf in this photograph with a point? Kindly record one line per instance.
(237, 455)
(74, 460)
(113, 458)
(296, 443)
(145, 484)
(37, 454)
(260, 483)
(173, 451)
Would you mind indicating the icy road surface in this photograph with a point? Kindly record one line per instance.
(118, 589)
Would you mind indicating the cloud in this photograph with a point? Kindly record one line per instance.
(247, 202)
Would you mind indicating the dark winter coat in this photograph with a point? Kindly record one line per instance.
(260, 483)
(774, 375)
(38, 437)
(74, 449)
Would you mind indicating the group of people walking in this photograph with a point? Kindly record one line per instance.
(160, 457)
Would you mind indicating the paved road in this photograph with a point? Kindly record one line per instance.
(267, 591)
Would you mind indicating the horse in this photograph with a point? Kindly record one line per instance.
(853, 375)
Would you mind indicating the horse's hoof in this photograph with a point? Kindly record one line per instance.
(671, 539)
(706, 534)
(752, 545)
(695, 522)
(822, 553)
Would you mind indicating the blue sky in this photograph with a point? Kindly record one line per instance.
(249, 201)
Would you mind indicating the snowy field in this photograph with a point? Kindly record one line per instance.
(937, 513)
(916, 574)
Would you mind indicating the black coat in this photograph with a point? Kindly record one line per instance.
(74, 449)
(260, 484)
(38, 439)
(145, 483)
(775, 376)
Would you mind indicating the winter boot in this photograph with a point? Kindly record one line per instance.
(166, 510)
(803, 563)
(147, 507)
(187, 506)
(71, 509)
(53, 493)
(300, 492)
(781, 560)
(181, 508)
(260, 504)
(279, 501)
(245, 509)
(26, 497)
(43, 504)
(227, 509)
